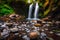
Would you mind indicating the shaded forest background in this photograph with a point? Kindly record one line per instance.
(47, 7)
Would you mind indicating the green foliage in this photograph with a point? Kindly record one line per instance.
(5, 9)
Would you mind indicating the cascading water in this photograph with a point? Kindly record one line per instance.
(30, 11)
(36, 11)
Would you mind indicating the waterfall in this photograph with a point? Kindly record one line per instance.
(30, 11)
(36, 11)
